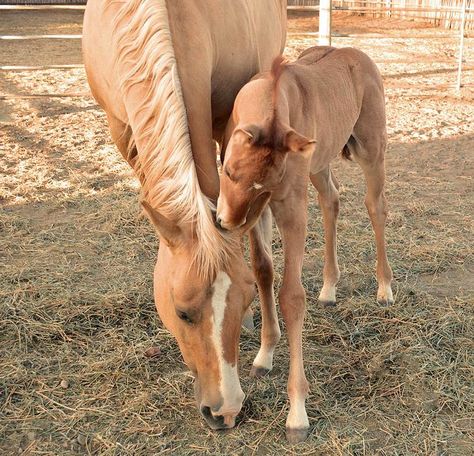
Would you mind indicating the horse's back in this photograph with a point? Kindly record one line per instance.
(224, 42)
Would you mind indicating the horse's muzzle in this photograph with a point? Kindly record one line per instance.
(218, 422)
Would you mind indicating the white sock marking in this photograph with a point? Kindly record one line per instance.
(297, 418)
(328, 293)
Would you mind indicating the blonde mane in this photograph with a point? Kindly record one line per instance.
(165, 163)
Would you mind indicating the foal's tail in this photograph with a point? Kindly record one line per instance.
(346, 153)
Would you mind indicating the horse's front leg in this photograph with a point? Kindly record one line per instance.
(291, 218)
(261, 255)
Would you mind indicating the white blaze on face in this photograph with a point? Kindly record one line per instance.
(229, 385)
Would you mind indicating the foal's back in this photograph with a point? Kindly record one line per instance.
(328, 65)
(343, 97)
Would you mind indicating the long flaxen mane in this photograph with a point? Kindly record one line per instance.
(165, 165)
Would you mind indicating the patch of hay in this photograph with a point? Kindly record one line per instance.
(77, 314)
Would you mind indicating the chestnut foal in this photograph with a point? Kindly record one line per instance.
(336, 97)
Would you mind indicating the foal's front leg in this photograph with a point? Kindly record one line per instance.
(291, 218)
(261, 255)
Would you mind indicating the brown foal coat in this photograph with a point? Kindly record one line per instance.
(286, 128)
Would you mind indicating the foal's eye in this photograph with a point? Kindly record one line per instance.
(227, 173)
(184, 316)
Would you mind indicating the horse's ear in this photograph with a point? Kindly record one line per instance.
(167, 230)
(249, 134)
(295, 142)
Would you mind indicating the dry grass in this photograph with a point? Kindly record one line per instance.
(76, 310)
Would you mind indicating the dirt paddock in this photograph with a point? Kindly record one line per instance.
(76, 307)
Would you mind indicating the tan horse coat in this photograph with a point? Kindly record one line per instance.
(166, 74)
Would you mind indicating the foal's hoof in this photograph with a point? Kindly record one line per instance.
(296, 435)
(328, 303)
(385, 295)
(258, 371)
(385, 302)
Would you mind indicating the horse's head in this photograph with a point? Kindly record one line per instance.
(254, 166)
(205, 316)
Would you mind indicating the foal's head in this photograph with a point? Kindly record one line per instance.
(256, 155)
(204, 313)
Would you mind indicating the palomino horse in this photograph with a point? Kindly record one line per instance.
(335, 96)
(167, 73)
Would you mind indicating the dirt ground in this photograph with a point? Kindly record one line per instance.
(76, 307)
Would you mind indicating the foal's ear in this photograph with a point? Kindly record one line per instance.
(167, 230)
(249, 134)
(295, 142)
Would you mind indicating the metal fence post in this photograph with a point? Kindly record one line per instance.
(325, 8)
(461, 44)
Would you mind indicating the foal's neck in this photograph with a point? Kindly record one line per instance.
(289, 100)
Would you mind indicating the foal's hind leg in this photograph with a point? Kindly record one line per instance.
(370, 157)
(261, 255)
(329, 201)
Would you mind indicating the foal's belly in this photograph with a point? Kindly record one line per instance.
(321, 159)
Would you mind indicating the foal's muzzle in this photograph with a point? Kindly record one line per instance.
(227, 226)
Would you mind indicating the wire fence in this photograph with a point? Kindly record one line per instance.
(444, 13)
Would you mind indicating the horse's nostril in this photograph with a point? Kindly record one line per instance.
(206, 412)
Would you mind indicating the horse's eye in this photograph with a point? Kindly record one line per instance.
(184, 316)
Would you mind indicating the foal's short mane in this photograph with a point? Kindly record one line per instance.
(273, 136)
(145, 59)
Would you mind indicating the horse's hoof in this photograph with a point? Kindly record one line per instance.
(296, 435)
(258, 371)
(328, 303)
(385, 302)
